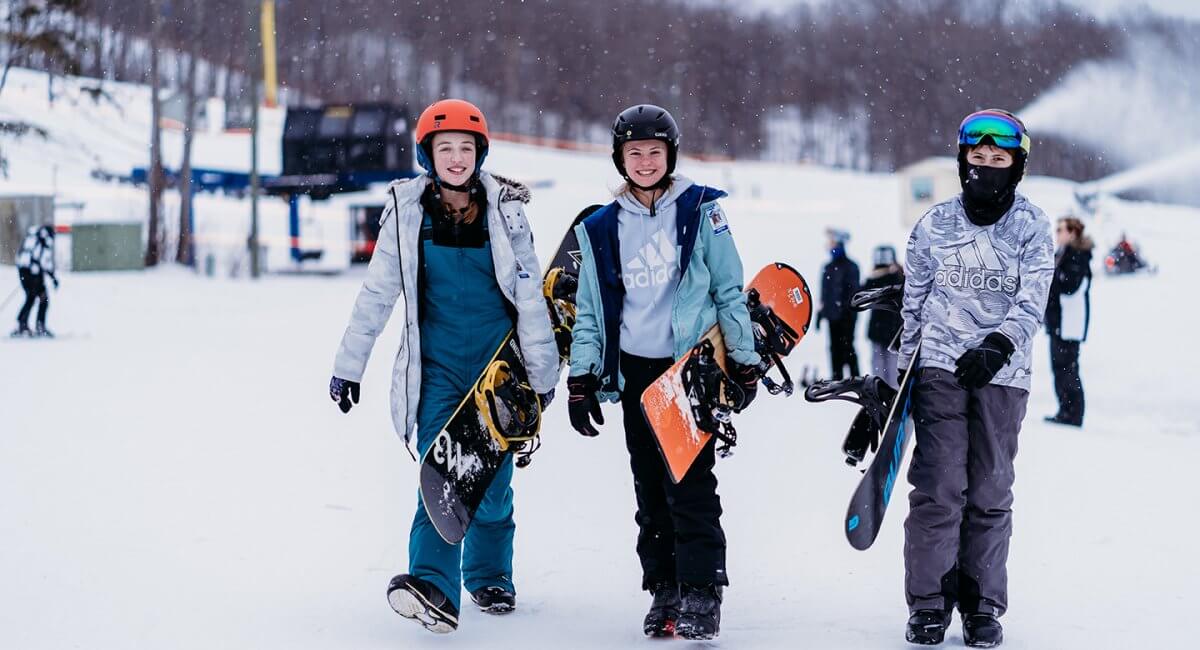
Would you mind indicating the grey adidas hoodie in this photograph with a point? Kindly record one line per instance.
(963, 282)
(649, 270)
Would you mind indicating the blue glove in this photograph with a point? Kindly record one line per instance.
(344, 392)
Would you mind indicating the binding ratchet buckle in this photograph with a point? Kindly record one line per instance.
(559, 288)
(774, 339)
(709, 394)
(508, 404)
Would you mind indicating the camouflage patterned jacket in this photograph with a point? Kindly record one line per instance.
(963, 282)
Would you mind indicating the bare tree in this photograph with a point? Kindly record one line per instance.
(32, 31)
(183, 254)
(154, 243)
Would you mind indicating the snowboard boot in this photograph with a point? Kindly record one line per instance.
(415, 598)
(42, 332)
(494, 600)
(982, 631)
(664, 610)
(927, 626)
(22, 330)
(699, 611)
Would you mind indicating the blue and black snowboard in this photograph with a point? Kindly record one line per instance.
(883, 424)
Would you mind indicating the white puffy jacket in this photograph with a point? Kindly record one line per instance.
(392, 277)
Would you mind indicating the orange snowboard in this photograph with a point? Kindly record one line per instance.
(666, 404)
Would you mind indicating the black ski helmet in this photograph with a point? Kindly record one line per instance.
(645, 122)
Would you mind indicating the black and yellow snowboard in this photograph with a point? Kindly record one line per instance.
(501, 415)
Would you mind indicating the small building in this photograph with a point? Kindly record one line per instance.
(17, 213)
(924, 184)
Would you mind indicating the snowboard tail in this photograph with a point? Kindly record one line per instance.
(692, 401)
(868, 504)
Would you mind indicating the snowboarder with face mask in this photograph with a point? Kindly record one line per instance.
(977, 274)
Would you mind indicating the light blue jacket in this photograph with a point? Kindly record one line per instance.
(709, 290)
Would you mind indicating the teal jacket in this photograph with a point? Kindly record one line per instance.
(709, 290)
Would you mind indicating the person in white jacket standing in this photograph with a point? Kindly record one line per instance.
(977, 273)
(456, 252)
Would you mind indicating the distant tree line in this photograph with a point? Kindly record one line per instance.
(906, 70)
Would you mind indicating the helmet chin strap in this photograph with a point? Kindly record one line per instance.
(467, 188)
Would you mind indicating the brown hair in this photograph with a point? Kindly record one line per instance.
(1075, 228)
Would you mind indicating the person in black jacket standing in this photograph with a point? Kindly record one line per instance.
(883, 326)
(1068, 311)
(839, 283)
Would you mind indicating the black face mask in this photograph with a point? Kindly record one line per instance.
(988, 192)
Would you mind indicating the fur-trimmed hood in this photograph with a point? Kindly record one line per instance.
(499, 189)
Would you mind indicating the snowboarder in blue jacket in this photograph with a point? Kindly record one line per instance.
(659, 268)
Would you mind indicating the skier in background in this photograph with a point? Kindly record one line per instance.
(468, 272)
(659, 268)
(883, 326)
(839, 283)
(35, 262)
(1068, 311)
(977, 273)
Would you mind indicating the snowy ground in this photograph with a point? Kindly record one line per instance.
(173, 474)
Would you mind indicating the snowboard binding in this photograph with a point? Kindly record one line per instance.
(889, 298)
(511, 410)
(774, 339)
(875, 397)
(559, 288)
(711, 395)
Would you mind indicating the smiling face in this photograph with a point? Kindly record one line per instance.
(454, 156)
(987, 155)
(645, 161)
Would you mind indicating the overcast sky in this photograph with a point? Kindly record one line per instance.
(1102, 8)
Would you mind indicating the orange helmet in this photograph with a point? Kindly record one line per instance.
(450, 115)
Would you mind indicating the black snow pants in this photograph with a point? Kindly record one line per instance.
(34, 285)
(960, 518)
(841, 346)
(1064, 359)
(679, 529)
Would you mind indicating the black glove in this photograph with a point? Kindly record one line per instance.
(55, 278)
(344, 392)
(546, 398)
(582, 405)
(820, 317)
(746, 378)
(977, 366)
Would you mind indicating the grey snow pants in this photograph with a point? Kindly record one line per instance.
(960, 508)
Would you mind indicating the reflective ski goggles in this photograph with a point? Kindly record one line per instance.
(1005, 130)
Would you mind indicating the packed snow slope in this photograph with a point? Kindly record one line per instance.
(174, 475)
